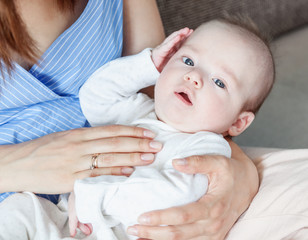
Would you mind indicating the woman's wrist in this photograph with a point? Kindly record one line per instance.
(6, 172)
(246, 173)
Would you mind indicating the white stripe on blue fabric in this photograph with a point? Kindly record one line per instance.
(45, 99)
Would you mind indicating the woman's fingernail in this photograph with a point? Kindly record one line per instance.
(132, 231)
(147, 156)
(149, 134)
(155, 145)
(181, 162)
(127, 170)
(144, 219)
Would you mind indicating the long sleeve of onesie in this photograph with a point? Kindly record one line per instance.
(110, 96)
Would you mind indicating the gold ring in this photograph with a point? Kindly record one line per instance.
(94, 161)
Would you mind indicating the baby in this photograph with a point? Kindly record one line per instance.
(213, 84)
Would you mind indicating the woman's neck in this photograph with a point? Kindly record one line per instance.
(45, 22)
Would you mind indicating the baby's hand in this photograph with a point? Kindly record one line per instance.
(73, 220)
(162, 53)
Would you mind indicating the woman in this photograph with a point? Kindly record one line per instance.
(49, 48)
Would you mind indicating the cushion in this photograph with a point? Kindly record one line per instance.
(272, 16)
(280, 208)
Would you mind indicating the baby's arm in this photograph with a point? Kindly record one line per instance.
(113, 88)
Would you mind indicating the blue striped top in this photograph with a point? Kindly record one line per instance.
(45, 99)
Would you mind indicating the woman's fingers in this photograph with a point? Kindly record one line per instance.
(120, 151)
(207, 210)
(104, 171)
(179, 232)
(161, 233)
(176, 215)
(105, 160)
(121, 145)
(58, 159)
(209, 218)
(116, 145)
(206, 164)
(183, 224)
(111, 131)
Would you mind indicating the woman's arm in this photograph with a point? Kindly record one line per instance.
(52, 163)
(142, 26)
(232, 185)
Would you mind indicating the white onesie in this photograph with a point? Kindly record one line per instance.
(112, 203)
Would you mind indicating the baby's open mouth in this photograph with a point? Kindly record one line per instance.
(184, 97)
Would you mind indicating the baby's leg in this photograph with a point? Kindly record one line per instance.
(26, 216)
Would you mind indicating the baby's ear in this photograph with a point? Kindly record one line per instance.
(243, 121)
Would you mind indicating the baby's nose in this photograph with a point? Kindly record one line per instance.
(195, 79)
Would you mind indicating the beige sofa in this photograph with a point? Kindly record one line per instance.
(280, 209)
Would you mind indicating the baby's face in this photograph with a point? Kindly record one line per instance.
(206, 83)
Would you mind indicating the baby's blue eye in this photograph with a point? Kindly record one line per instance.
(219, 83)
(188, 61)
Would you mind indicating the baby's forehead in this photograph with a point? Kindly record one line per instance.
(225, 29)
(215, 33)
(230, 38)
(217, 29)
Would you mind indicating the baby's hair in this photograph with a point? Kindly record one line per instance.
(14, 36)
(248, 26)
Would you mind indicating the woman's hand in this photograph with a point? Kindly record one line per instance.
(232, 186)
(52, 163)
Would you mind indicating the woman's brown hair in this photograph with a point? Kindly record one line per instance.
(14, 36)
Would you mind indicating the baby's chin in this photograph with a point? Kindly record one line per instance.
(189, 127)
(179, 126)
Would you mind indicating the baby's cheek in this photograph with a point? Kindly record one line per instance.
(216, 117)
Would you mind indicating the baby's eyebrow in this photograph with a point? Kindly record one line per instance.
(189, 47)
(230, 73)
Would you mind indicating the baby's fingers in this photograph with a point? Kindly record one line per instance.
(175, 39)
(182, 32)
(162, 53)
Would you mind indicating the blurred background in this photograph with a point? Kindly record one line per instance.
(283, 119)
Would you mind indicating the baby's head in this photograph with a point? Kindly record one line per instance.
(216, 81)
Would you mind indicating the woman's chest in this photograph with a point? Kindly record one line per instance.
(45, 22)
